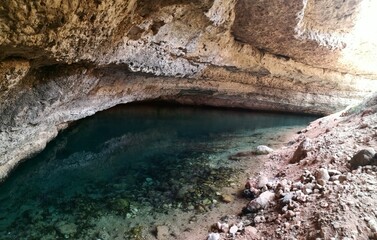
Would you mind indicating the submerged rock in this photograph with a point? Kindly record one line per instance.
(66, 229)
(120, 205)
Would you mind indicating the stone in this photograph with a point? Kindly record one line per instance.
(162, 232)
(372, 224)
(227, 198)
(233, 230)
(263, 149)
(262, 181)
(66, 229)
(333, 172)
(259, 219)
(260, 202)
(363, 157)
(213, 236)
(322, 174)
(223, 227)
(302, 151)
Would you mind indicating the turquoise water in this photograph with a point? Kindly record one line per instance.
(125, 162)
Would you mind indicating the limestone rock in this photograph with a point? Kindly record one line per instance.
(213, 236)
(262, 149)
(364, 157)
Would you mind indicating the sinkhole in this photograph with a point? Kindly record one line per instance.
(116, 174)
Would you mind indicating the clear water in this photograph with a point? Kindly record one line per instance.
(125, 162)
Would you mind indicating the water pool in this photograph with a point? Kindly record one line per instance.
(132, 162)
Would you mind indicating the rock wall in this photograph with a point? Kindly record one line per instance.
(64, 60)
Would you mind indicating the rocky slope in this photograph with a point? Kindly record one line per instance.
(64, 60)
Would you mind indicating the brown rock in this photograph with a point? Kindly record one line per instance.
(227, 198)
(302, 151)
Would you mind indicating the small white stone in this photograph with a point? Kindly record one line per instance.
(263, 149)
(214, 236)
(233, 230)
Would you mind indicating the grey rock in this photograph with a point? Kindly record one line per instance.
(364, 157)
(261, 202)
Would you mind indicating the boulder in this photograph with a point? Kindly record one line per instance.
(364, 157)
(302, 150)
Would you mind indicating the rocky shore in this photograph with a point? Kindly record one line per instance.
(321, 185)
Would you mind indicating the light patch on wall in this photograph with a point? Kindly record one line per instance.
(361, 49)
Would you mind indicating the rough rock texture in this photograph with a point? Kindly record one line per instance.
(64, 60)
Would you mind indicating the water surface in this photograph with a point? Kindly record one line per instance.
(126, 162)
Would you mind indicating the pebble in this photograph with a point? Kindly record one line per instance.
(213, 236)
(233, 230)
(262, 181)
(333, 172)
(227, 198)
(372, 224)
(162, 232)
(263, 149)
(259, 219)
(224, 227)
(66, 229)
(322, 174)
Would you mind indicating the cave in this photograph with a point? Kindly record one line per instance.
(66, 63)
